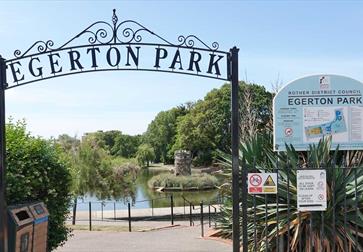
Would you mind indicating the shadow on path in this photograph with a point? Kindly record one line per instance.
(177, 239)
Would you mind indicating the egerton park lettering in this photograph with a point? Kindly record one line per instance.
(325, 101)
(325, 97)
(116, 57)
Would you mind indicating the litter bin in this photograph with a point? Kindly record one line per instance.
(40, 233)
(20, 229)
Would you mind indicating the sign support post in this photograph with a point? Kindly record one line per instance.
(235, 150)
(3, 216)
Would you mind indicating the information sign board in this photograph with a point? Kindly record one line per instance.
(311, 190)
(262, 183)
(310, 108)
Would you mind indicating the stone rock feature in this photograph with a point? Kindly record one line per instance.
(182, 163)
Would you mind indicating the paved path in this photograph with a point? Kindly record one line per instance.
(177, 239)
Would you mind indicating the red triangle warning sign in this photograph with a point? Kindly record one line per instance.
(269, 181)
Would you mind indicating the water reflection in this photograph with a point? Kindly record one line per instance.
(143, 196)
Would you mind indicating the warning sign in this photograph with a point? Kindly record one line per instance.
(311, 190)
(262, 183)
(269, 181)
(255, 180)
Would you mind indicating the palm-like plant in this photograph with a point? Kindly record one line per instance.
(274, 221)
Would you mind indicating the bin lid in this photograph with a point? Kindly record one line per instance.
(21, 216)
(38, 210)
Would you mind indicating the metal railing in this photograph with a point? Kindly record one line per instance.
(278, 225)
(191, 208)
(194, 212)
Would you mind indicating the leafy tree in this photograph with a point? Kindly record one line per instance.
(94, 166)
(161, 132)
(104, 139)
(115, 143)
(36, 171)
(122, 182)
(95, 171)
(109, 138)
(68, 143)
(145, 154)
(70, 149)
(126, 145)
(206, 128)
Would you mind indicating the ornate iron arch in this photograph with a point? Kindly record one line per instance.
(128, 36)
(113, 42)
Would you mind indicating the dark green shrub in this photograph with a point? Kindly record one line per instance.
(36, 172)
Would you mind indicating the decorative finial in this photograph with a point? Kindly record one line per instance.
(114, 17)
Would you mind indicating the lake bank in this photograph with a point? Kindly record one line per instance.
(144, 197)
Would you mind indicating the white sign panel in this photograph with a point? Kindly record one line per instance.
(262, 183)
(313, 107)
(311, 190)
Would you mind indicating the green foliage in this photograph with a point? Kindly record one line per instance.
(115, 143)
(95, 171)
(70, 148)
(348, 192)
(68, 143)
(126, 146)
(121, 161)
(36, 172)
(205, 128)
(121, 183)
(94, 167)
(161, 132)
(104, 139)
(145, 154)
(194, 182)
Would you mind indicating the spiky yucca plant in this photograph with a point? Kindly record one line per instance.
(341, 225)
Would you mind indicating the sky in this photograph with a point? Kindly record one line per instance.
(279, 41)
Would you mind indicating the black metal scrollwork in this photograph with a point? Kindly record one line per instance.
(126, 32)
(40, 45)
(189, 41)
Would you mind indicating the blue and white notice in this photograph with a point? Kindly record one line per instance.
(313, 107)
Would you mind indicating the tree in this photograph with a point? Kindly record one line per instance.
(68, 143)
(161, 132)
(94, 166)
(70, 149)
(206, 128)
(115, 143)
(145, 154)
(36, 171)
(94, 170)
(126, 145)
(104, 139)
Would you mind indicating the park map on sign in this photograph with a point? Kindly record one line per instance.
(337, 125)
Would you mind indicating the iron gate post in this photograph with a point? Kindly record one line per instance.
(3, 215)
(235, 149)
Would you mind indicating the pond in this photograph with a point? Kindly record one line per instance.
(146, 197)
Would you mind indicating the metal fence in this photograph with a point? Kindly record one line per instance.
(276, 224)
(197, 215)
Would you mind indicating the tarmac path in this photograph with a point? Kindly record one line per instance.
(176, 239)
